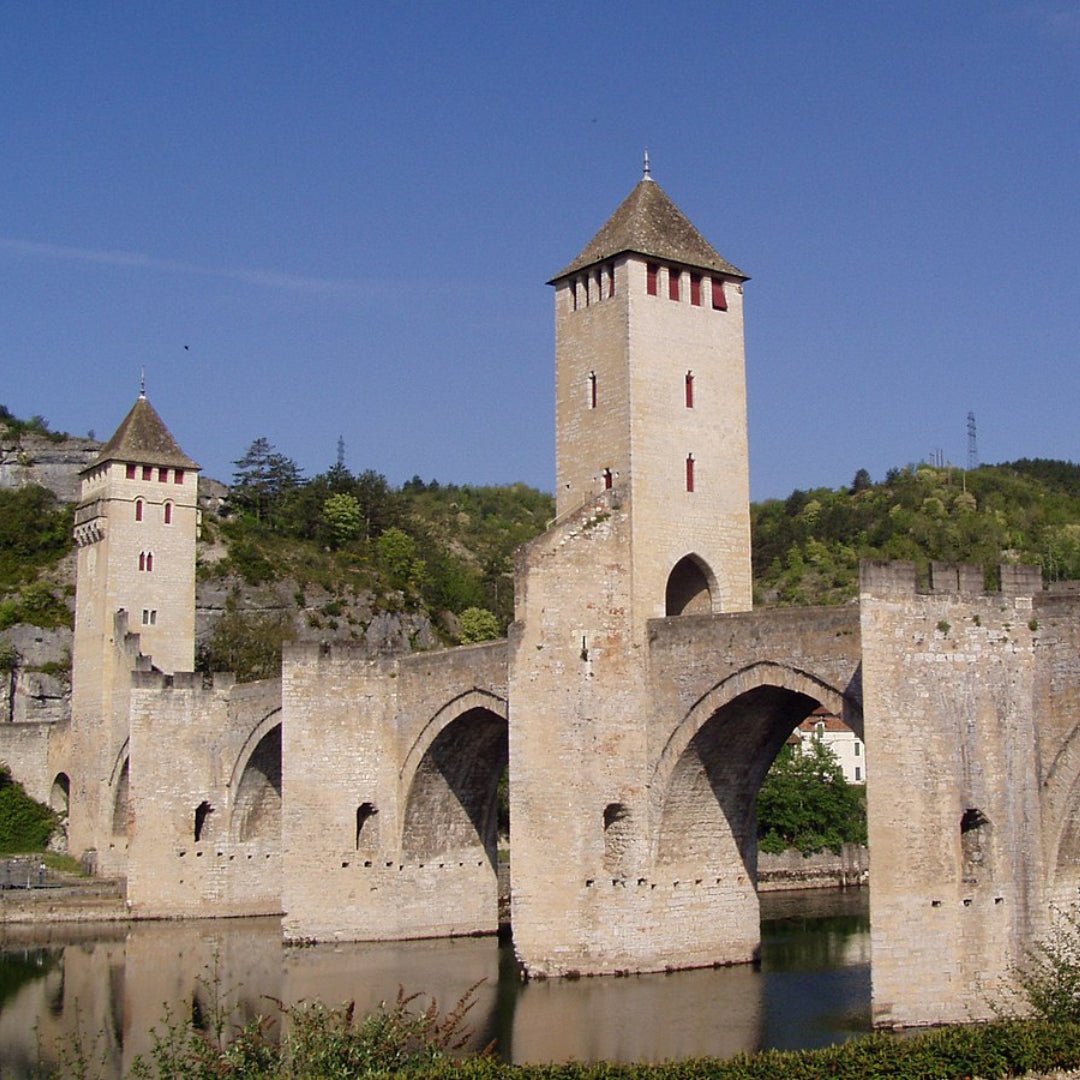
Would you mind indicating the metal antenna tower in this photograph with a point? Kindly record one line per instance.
(341, 452)
(973, 445)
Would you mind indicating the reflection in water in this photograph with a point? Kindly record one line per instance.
(112, 982)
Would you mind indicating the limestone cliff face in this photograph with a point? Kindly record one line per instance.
(54, 464)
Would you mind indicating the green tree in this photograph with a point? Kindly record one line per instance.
(398, 555)
(342, 517)
(478, 624)
(806, 803)
(247, 643)
(262, 479)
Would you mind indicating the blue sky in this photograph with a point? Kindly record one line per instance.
(322, 219)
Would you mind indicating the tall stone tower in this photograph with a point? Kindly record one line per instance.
(652, 520)
(135, 530)
(651, 400)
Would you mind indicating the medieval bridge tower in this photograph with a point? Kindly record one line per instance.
(135, 528)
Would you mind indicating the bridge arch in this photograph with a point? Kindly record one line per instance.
(691, 587)
(705, 783)
(450, 779)
(255, 783)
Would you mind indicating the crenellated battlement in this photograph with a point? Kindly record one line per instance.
(882, 578)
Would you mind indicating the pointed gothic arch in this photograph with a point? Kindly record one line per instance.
(691, 586)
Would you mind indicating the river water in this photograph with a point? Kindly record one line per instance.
(111, 983)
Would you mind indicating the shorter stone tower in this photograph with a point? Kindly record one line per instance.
(135, 529)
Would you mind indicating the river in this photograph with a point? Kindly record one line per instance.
(112, 981)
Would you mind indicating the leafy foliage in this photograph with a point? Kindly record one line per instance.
(806, 803)
(478, 624)
(12, 427)
(806, 548)
(25, 825)
(247, 643)
(1046, 984)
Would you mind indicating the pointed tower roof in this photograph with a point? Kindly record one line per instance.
(649, 223)
(142, 437)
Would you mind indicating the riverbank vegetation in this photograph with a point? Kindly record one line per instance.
(805, 803)
(25, 825)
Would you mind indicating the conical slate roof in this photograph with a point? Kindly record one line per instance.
(142, 437)
(649, 223)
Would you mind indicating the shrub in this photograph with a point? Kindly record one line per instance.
(25, 825)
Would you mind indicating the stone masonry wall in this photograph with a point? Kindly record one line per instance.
(949, 680)
(356, 733)
(208, 733)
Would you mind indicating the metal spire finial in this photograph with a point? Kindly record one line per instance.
(647, 175)
(142, 383)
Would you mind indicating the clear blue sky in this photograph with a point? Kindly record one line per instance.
(318, 219)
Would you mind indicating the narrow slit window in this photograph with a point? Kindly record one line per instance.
(652, 278)
(689, 382)
(608, 480)
(611, 279)
(599, 283)
(142, 560)
(719, 298)
(689, 472)
(573, 294)
(149, 561)
(673, 278)
(695, 290)
(592, 389)
(138, 509)
(167, 513)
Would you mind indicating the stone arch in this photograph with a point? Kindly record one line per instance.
(454, 708)
(451, 804)
(60, 794)
(1059, 796)
(122, 801)
(706, 780)
(257, 734)
(691, 586)
(256, 805)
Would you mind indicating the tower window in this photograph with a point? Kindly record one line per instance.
(148, 472)
(695, 290)
(166, 512)
(599, 283)
(573, 294)
(178, 476)
(607, 479)
(163, 476)
(689, 389)
(129, 471)
(719, 300)
(652, 274)
(689, 472)
(611, 279)
(146, 561)
(149, 617)
(673, 279)
(138, 509)
(592, 389)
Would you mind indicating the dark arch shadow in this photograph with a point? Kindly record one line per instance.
(256, 813)
(709, 814)
(452, 802)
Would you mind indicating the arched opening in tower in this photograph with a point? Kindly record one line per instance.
(453, 804)
(257, 808)
(688, 589)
